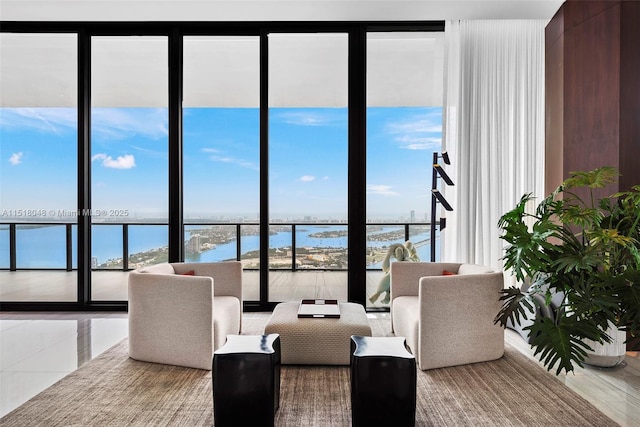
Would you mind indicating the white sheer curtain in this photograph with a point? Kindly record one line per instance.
(493, 130)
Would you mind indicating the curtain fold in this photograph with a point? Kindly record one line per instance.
(493, 120)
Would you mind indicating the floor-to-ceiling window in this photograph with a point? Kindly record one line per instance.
(268, 125)
(308, 164)
(404, 128)
(129, 151)
(221, 166)
(38, 159)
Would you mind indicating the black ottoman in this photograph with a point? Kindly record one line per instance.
(246, 380)
(383, 382)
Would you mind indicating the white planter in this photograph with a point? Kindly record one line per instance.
(607, 355)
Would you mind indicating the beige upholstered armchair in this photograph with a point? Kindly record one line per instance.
(180, 313)
(447, 320)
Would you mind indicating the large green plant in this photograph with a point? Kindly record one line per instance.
(587, 249)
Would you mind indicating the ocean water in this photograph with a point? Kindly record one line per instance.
(45, 247)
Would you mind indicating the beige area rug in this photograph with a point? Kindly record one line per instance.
(113, 390)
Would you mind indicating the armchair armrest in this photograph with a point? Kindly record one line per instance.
(405, 277)
(456, 319)
(169, 308)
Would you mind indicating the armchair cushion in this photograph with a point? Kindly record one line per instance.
(164, 268)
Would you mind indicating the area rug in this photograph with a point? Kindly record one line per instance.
(114, 390)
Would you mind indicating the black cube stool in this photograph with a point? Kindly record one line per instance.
(246, 381)
(383, 382)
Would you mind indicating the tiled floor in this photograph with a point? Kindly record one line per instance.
(38, 349)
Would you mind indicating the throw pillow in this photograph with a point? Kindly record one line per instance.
(189, 273)
(448, 273)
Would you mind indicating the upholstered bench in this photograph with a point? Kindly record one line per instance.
(317, 341)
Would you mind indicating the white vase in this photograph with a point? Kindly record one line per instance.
(607, 355)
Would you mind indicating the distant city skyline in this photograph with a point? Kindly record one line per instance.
(307, 161)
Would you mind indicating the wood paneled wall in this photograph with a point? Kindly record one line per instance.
(593, 90)
(592, 71)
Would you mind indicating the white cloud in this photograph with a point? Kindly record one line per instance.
(414, 126)
(232, 160)
(49, 120)
(307, 178)
(16, 158)
(417, 133)
(420, 143)
(121, 162)
(154, 153)
(311, 118)
(384, 190)
(107, 123)
(325, 178)
(219, 156)
(303, 119)
(121, 123)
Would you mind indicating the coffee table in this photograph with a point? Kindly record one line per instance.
(317, 341)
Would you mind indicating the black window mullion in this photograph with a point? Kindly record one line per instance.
(125, 247)
(176, 213)
(264, 168)
(69, 246)
(12, 247)
(84, 167)
(357, 232)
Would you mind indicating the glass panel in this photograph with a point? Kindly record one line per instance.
(404, 128)
(321, 247)
(222, 149)
(250, 244)
(308, 149)
(420, 236)
(280, 247)
(38, 176)
(129, 143)
(210, 243)
(148, 245)
(106, 247)
(74, 247)
(41, 246)
(4, 246)
(379, 239)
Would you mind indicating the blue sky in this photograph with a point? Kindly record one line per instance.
(307, 159)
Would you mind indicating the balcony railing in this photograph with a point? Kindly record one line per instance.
(125, 246)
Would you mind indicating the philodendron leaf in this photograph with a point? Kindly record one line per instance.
(527, 250)
(560, 343)
(580, 216)
(597, 178)
(516, 304)
(576, 262)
